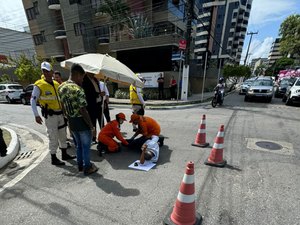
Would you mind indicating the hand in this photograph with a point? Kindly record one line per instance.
(39, 120)
(102, 93)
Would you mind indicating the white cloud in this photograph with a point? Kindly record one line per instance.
(266, 11)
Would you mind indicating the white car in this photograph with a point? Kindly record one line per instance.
(292, 93)
(10, 92)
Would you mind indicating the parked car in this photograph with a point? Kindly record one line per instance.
(26, 95)
(246, 84)
(281, 87)
(262, 87)
(292, 94)
(10, 92)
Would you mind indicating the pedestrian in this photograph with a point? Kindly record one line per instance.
(74, 102)
(103, 88)
(173, 86)
(147, 127)
(93, 95)
(45, 91)
(111, 130)
(57, 77)
(161, 82)
(150, 150)
(136, 100)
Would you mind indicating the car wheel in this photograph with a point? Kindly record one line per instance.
(269, 100)
(289, 100)
(246, 99)
(23, 100)
(8, 100)
(283, 98)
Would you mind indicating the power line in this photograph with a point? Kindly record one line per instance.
(250, 33)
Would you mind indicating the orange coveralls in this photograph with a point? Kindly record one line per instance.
(107, 134)
(148, 127)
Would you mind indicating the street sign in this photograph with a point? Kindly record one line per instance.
(176, 57)
(182, 44)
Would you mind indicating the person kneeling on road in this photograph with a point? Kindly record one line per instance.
(108, 132)
(150, 150)
(147, 127)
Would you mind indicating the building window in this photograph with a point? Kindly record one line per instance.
(38, 39)
(43, 36)
(36, 8)
(75, 2)
(101, 31)
(30, 13)
(79, 29)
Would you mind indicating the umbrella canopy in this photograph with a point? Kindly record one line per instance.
(104, 66)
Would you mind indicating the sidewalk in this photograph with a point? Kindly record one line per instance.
(195, 99)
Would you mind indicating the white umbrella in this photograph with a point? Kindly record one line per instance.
(104, 66)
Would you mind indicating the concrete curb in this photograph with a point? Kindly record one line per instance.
(12, 149)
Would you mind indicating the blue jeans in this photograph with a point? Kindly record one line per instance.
(83, 145)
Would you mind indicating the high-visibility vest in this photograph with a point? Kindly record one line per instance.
(48, 94)
(134, 99)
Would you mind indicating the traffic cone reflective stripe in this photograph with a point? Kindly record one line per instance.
(184, 210)
(216, 156)
(200, 140)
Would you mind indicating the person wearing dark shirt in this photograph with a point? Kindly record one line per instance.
(160, 82)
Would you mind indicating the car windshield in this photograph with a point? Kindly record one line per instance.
(297, 83)
(284, 82)
(18, 87)
(262, 83)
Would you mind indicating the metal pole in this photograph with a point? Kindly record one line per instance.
(204, 74)
(179, 75)
(251, 34)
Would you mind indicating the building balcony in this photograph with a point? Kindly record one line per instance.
(54, 4)
(103, 40)
(199, 50)
(200, 42)
(60, 34)
(147, 42)
(204, 15)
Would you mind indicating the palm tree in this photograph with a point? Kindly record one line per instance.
(139, 26)
(118, 10)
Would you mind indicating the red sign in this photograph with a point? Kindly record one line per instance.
(182, 44)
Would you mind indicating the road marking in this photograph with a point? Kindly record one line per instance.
(33, 165)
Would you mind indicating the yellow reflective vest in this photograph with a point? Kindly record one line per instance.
(134, 99)
(48, 94)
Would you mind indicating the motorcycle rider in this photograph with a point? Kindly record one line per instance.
(220, 88)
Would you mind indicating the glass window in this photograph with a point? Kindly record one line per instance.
(79, 29)
(43, 36)
(36, 8)
(30, 13)
(38, 39)
(18, 87)
(298, 83)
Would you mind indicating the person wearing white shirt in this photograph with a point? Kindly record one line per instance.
(103, 88)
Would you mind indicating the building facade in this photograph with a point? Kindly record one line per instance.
(274, 52)
(221, 29)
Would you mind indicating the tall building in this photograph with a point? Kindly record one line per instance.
(143, 38)
(221, 28)
(274, 52)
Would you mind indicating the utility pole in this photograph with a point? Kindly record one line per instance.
(251, 33)
(185, 73)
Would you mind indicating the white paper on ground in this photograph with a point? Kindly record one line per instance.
(146, 166)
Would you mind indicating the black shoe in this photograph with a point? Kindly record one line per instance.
(161, 141)
(65, 155)
(90, 170)
(80, 168)
(55, 161)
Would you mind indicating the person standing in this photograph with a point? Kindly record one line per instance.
(45, 91)
(93, 95)
(57, 77)
(74, 103)
(103, 88)
(161, 82)
(173, 86)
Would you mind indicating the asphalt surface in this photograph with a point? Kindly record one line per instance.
(258, 186)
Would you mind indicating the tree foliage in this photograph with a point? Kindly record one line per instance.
(290, 32)
(139, 26)
(260, 70)
(236, 71)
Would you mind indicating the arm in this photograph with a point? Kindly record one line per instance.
(142, 158)
(87, 119)
(138, 92)
(34, 96)
(119, 135)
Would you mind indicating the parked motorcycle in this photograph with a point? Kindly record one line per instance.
(218, 98)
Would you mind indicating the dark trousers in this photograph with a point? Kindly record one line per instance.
(106, 112)
(3, 147)
(137, 143)
(173, 91)
(95, 114)
(160, 93)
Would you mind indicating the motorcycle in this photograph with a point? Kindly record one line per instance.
(218, 98)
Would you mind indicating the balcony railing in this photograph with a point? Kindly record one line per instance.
(103, 40)
(54, 4)
(60, 34)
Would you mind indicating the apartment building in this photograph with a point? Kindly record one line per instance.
(274, 52)
(221, 29)
(143, 39)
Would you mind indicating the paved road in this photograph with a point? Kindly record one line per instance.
(258, 186)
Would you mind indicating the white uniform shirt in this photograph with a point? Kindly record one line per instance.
(103, 88)
(153, 146)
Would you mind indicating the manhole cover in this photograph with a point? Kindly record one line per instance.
(268, 145)
(24, 155)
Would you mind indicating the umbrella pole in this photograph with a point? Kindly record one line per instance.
(102, 108)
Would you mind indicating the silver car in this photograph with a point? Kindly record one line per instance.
(261, 88)
(10, 92)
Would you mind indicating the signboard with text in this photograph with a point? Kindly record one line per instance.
(151, 79)
(182, 44)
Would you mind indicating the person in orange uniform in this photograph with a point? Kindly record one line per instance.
(109, 131)
(147, 127)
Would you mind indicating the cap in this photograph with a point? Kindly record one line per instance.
(46, 66)
(121, 116)
(134, 117)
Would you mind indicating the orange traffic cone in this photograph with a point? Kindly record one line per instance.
(216, 155)
(184, 210)
(200, 140)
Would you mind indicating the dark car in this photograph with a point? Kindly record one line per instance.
(280, 89)
(26, 95)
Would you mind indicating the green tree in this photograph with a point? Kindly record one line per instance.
(290, 32)
(233, 73)
(139, 26)
(118, 11)
(260, 70)
(4, 78)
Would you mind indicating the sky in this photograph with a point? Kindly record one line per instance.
(265, 18)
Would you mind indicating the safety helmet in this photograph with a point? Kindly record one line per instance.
(221, 80)
(121, 116)
(134, 117)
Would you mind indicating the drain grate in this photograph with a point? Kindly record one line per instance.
(24, 155)
(268, 145)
